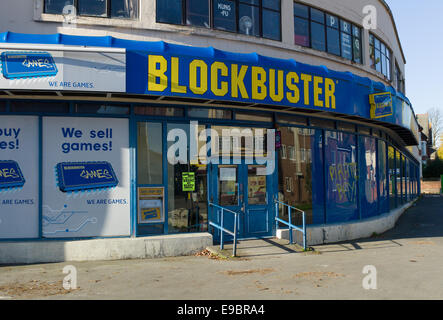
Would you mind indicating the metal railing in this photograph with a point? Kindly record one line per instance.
(289, 223)
(223, 229)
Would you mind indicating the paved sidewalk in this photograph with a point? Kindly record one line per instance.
(408, 260)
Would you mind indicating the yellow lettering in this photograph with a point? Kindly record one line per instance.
(237, 81)
(175, 86)
(157, 73)
(203, 87)
(223, 90)
(306, 78)
(258, 82)
(318, 91)
(277, 97)
(291, 80)
(330, 93)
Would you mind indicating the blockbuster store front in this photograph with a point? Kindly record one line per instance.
(104, 137)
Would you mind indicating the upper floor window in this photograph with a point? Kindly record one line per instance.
(125, 9)
(399, 80)
(380, 56)
(260, 18)
(326, 32)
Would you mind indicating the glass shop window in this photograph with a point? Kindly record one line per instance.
(392, 178)
(101, 109)
(299, 158)
(346, 40)
(249, 17)
(225, 15)
(260, 18)
(357, 44)
(37, 106)
(380, 56)
(169, 11)
(159, 111)
(318, 41)
(271, 19)
(333, 34)
(197, 13)
(187, 209)
(149, 153)
(124, 9)
(2, 106)
(301, 25)
(209, 113)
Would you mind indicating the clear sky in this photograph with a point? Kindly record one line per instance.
(420, 27)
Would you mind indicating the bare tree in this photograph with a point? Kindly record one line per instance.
(436, 119)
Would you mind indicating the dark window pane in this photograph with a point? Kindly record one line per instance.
(56, 6)
(92, 8)
(377, 60)
(332, 21)
(34, 106)
(169, 11)
(301, 10)
(197, 13)
(127, 9)
(318, 36)
(371, 39)
(271, 25)
(356, 32)
(357, 50)
(149, 153)
(224, 15)
(333, 41)
(345, 27)
(272, 4)
(377, 43)
(101, 109)
(249, 20)
(156, 111)
(254, 2)
(2, 106)
(317, 16)
(301, 27)
(321, 123)
(209, 113)
(346, 46)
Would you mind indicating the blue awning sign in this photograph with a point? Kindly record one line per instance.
(381, 105)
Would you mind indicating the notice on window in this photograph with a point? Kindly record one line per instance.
(188, 181)
(228, 174)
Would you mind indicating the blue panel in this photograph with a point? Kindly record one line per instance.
(341, 177)
(318, 186)
(383, 178)
(77, 176)
(10, 175)
(368, 179)
(19, 65)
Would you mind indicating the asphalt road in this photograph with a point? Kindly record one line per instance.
(408, 263)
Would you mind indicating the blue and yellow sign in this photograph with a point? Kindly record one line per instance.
(148, 214)
(381, 105)
(10, 175)
(234, 81)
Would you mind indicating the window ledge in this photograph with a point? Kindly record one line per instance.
(83, 20)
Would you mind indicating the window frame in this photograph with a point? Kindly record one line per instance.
(386, 56)
(75, 3)
(326, 27)
(237, 4)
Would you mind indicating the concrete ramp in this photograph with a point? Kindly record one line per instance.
(257, 248)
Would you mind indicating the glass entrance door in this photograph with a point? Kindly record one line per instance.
(245, 189)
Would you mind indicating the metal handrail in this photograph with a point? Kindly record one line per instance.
(289, 224)
(222, 229)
